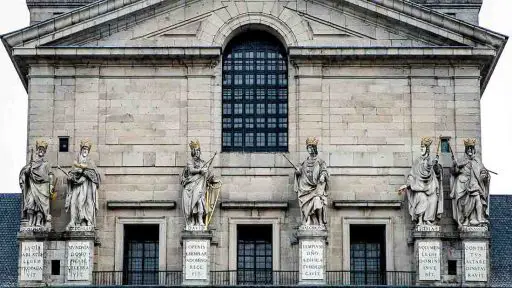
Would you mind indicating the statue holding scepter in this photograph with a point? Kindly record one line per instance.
(470, 188)
(311, 185)
(425, 187)
(37, 183)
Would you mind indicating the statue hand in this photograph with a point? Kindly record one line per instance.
(322, 178)
(204, 170)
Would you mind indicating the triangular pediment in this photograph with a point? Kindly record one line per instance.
(164, 23)
(300, 24)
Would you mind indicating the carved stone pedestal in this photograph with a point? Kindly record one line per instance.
(312, 249)
(196, 257)
(32, 257)
(52, 259)
(475, 255)
(79, 256)
(427, 251)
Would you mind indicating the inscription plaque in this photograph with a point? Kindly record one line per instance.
(429, 260)
(312, 260)
(31, 268)
(78, 261)
(196, 259)
(475, 261)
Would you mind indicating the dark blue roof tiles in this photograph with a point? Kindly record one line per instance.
(501, 240)
(9, 226)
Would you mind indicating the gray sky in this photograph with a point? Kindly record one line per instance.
(496, 103)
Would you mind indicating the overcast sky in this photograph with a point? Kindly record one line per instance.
(496, 102)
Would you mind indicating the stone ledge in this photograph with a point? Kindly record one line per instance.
(137, 52)
(341, 204)
(297, 52)
(254, 205)
(151, 204)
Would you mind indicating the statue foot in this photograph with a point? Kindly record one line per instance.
(474, 222)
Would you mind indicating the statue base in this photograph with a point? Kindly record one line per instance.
(312, 254)
(428, 249)
(475, 256)
(51, 259)
(196, 256)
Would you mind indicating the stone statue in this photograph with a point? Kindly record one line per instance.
(196, 180)
(37, 183)
(311, 186)
(470, 188)
(425, 187)
(82, 192)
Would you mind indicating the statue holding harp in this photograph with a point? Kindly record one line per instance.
(311, 185)
(200, 190)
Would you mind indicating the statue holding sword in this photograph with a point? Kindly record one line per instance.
(311, 185)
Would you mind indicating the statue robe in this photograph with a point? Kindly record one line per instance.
(194, 187)
(82, 194)
(35, 183)
(426, 192)
(466, 183)
(311, 193)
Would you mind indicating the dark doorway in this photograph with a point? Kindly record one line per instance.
(140, 265)
(254, 254)
(367, 254)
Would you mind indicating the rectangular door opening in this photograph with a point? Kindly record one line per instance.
(368, 254)
(140, 260)
(254, 254)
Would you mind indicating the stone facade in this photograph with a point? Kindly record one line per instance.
(368, 78)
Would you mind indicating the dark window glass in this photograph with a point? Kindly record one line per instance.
(55, 267)
(452, 267)
(367, 255)
(140, 263)
(254, 254)
(63, 144)
(255, 90)
(445, 145)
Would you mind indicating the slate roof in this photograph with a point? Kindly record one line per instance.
(10, 204)
(501, 240)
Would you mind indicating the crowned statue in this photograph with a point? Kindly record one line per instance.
(470, 188)
(425, 187)
(82, 190)
(200, 189)
(37, 183)
(311, 184)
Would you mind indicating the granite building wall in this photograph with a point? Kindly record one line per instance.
(368, 81)
(369, 120)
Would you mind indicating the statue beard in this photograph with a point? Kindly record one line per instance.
(82, 159)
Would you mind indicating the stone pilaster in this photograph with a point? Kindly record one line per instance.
(79, 257)
(475, 256)
(427, 255)
(196, 257)
(312, 255)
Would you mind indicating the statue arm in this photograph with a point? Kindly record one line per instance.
(194, 170)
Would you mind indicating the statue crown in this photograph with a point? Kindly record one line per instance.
(311, 141)
(426, 141)
(194, 144)
(469, 142)
(41, 143)
(85, 143)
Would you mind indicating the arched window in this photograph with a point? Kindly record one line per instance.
(254, 94)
